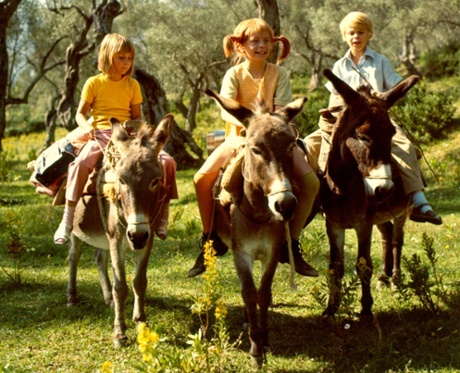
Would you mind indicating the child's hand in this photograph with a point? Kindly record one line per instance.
(91, 133)
(88, 129)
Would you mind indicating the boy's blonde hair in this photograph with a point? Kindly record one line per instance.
(111, 45)
(233, 43)
(355, 19)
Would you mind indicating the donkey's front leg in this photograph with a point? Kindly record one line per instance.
(140, 281)
(243, 265)
(336, 237)
(364, 268)
(386, 240)
(120, 292)
(264, 301)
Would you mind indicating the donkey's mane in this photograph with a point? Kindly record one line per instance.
(144, 137)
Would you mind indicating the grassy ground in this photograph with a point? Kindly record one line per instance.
(38, 333)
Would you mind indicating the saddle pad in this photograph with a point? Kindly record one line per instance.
(232, 180)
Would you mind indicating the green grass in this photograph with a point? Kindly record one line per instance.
(39, 333)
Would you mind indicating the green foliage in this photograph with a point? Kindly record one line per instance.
(425, 115)
(24, 128)
(7, 159)
(14, 245)
(442, 62)
(425, 281)
(205, 354)
(307, 120)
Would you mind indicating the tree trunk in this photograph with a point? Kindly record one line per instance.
(190, 123)
(102, 17)
(155, 107)
(315, 80)
(50, 122)
(316, 65)
(7, 9)
(74, 54)
(408, 54)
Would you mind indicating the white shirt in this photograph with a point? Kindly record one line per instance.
(375, 68)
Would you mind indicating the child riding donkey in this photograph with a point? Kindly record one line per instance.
(362, 65)
(247, 83)
(112, 93)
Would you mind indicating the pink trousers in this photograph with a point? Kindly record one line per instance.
(88, 155)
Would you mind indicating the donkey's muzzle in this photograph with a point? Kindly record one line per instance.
(283, 205)
(138, 235)
(379, 185)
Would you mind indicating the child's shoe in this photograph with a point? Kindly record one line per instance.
(62, 235)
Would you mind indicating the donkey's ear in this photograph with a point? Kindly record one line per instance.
(291, 110)
(163, 129)
(348, 94)
(120, 136)
(399, 90)
(232, 107)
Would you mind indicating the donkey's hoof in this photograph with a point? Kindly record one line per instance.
(72, 302)
(120, 341)
(382, 283)
(258, 361)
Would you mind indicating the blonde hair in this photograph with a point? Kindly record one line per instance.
(111, 45)
(233, 44)
(356, 19)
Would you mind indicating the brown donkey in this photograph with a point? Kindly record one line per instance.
(123, 215)
(358, 191)
(260, 205)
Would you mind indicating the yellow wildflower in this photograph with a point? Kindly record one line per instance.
(107, 367)
(221, 310)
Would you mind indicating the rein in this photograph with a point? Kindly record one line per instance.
(292, 283)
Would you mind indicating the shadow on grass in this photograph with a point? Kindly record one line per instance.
(399, 340)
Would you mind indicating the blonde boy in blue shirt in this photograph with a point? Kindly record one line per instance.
(363, 65)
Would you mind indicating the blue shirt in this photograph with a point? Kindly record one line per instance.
(377, 69)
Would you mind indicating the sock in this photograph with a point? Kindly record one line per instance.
(69, 212)
(419, 199)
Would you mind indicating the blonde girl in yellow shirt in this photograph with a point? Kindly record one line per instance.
(112, 93)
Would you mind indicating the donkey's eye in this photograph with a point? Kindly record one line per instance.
(154, 183)
(363, 138)
(255, 150)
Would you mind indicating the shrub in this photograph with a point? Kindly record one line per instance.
(443, 62)
(307, 120)
(25, 128)
(425, 115)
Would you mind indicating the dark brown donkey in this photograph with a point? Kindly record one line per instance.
(123, 215)
(260, 206)
(357, 190)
